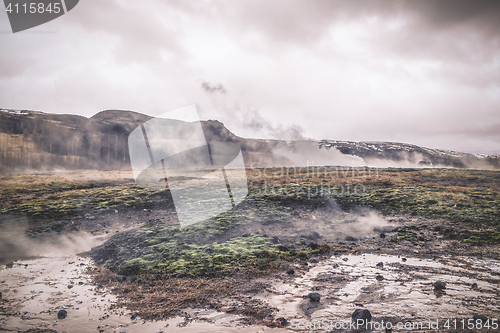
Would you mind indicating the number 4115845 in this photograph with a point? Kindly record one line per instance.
(33, 8)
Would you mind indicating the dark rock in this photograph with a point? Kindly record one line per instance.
(350, 239)
(439, 285)
(70, 286)
(474, 285)
(380, 264)
(403, 259)
(290, 271)
(9, 265)
(275, 240)
(314, 297)
(382, 235)
(315, 235)
(0, 295)
(281, 322)
(363, 315)
(62, 314)
(345, 259)
(479, 317)
(133, 317)
(437, 228)
(379, 277)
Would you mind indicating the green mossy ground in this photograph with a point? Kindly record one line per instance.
(470, 198)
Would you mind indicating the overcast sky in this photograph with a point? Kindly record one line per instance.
(421, 72)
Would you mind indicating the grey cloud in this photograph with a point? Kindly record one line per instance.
(213, 88)
(141, 34)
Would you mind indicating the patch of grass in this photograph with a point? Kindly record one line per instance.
(172, 257)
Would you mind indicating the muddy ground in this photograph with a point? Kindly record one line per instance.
(327, 245)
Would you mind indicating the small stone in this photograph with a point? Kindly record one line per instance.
(133, 317)
(345, 259)
(290, 271)
(437, 228)
(9, 265)
(382, 235)
(0, 295)
(350, 239)
(479, 317)
(314, 297)
(439, 285)
(70, 286)
(62, 314)
(379, 277)
(380, 264)
(281, 322)
(363, 315)
(474, 285)
(403, 259)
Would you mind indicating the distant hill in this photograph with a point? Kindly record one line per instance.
(31, 140)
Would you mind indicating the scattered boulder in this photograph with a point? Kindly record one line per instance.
(479, 317)
(380, 264)
(9, 265)
(474, 285)
(363, 315)
(403, 259)
(314, 297)
(350, 239)
(439, 285)
(345, 259)
(0, 295)
(133, 317)
(379, 277)
(62, 314)
(281, 322)
(70, 286)
(290, 271)
(382, 235)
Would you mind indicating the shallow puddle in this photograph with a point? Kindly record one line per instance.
(349, 282)
(35, 290)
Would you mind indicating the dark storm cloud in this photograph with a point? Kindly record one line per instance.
(419, 71)
(301, 20)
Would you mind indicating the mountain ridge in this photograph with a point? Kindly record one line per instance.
(34, 139)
